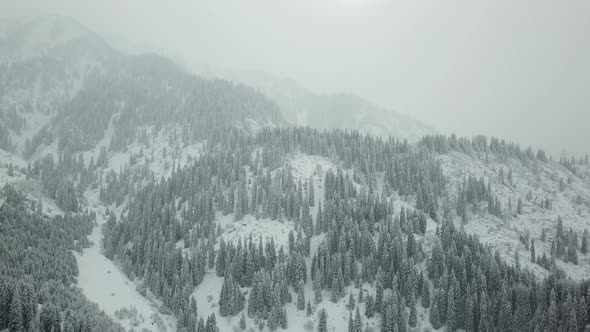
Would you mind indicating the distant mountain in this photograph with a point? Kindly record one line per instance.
(60, 82)
(301, 106)
(53, 35)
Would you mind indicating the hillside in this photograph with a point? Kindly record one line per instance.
(139, 197)
(302, 107)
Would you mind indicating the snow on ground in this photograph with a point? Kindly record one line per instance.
(32, 189)
(103, 283)
(542, 181)
(162, 152)
(265, 228)
(305, 166)
(207, 293)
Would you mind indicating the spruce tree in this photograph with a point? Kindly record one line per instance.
(351, 302)
(369, 309)
(505, 314)
(300, 299)
(451, 315)
(582, 313)
(15, 316)
(425, 298)
(469, 322)
(413, 318)
(434, 315)
(358, 323)
(572, 322)
(243, 322)
(323, 321)
(211, 325)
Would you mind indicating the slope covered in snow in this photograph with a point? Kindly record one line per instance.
(533, 184)
(302, 107)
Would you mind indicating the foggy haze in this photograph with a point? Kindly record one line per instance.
(514, 69)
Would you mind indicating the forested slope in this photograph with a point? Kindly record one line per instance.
(211, 213)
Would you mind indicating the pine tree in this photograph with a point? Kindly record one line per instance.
(243, 322)
(358, 323)
(350, 322)
(425, 298)
(15, 316)
(469, 323)
(552, 318)
(317, 287)
(369, 309)
(309, 310)
(300, 299)
(582, 313)
(451, 318)
(483, 312)
(323, 321)
(505, 315)
(274, 320)
(411, 245)
(379, 292)
(211, 325)
(572, 322)
(413, 318)
(351, 302)
(434, 315)
(201, 325)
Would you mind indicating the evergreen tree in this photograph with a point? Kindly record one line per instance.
(369, 309)
(572, 322)
(425, 298)
(413, 318)
(351, 302)
(211, 325)
(434, 315)
(317, 287)
(243, 322)
(300, 299)
(451, 317)
(323, 321)
(582, 313)
(358, 323)
(469, 309)
(15, 317)
(505, 314)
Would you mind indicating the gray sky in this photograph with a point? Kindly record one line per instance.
(515, 69)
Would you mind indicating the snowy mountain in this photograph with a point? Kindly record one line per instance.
(302, 107)
(73, 83)
(136, 196)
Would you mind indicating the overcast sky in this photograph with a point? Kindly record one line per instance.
(518, 69)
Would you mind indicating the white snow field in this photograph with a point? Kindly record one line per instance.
(103, 283)
(542, 181)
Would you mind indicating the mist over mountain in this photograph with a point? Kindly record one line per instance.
(144, 193)
(323, 111)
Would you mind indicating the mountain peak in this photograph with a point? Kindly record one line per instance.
(24, 39)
